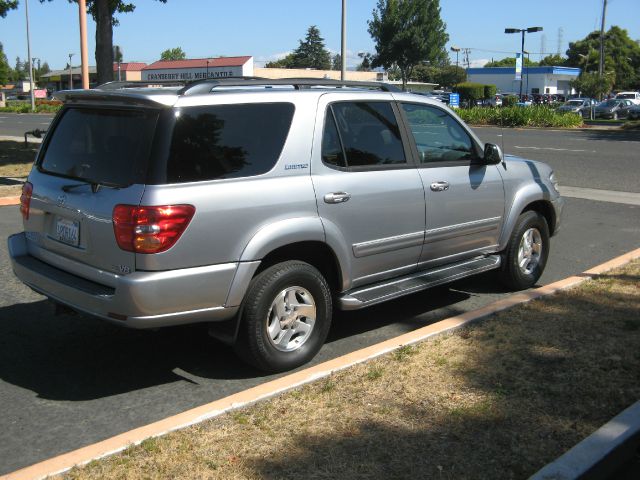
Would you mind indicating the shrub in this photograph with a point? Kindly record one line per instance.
(509, 100)
(470, 92)
(515, 116)
(490, 91)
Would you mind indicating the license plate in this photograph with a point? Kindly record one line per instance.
(67, 231)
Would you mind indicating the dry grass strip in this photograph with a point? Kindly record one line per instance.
(496, 400)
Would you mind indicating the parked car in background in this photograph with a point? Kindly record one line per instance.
(633, 96)
(634, 112)
(581, 106)
(613, 109)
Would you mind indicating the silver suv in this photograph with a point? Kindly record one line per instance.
(260, 205)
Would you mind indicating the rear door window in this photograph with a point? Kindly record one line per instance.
(227, 141)
(367, 134)
(101, 145)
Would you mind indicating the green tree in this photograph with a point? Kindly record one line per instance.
(589, 84)
(5, 69)
(173, 54)
(6, 5)
(406, 33)
(553, 61)
(103, 13)
(365, 64)
(622, 56)
(336, 62)
(510, 62)
(311, 52)
(451, 75)
(286, 62)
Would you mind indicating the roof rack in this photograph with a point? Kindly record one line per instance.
(118, 85)
(207, 85)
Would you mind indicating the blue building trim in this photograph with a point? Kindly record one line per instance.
(571, 71)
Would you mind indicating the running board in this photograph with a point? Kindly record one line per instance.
(381, 292)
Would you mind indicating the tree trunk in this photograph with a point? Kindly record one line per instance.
(104, 41)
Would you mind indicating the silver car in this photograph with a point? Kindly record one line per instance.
(259, 206)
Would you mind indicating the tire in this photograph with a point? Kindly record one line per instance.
(285, 317)
(526, 254)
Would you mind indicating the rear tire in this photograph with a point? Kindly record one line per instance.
(526, 255)
(285, 317)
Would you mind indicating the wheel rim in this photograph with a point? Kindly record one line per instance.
(291, 319)
(530, 251)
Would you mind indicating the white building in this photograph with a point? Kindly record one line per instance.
(553, 80)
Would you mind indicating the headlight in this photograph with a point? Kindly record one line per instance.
(554, 182)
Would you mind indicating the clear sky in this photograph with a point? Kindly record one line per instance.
(269, 29)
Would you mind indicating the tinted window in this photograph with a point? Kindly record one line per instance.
(332, 152)
(369, 133)
(227, 141)
(102, 146)
(439, 137)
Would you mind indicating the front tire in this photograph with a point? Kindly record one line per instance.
(285, 317)
(526, 255)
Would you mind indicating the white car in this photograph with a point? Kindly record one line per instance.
(633, 96)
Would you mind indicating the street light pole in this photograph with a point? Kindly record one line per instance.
(457, 50)
(523, 30)
(527, 67)
(343, 43)
(70, 72)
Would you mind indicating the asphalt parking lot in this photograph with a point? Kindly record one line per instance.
(69, 381)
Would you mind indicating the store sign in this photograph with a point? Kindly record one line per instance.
(518, 66)
(190, 74)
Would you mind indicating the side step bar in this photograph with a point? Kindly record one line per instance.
(398, 287)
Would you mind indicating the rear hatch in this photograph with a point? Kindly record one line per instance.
(93, 159)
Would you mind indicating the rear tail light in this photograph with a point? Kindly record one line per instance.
(25, 200)
(150, 229)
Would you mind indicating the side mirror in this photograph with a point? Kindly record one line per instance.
(492, 154)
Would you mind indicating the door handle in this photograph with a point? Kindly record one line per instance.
(440, 186)
(337, 197)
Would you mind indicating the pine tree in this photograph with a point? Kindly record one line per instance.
(311, 52)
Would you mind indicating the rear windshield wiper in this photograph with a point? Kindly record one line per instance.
(95, 186)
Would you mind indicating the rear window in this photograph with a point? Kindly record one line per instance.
(101, 145)
(227, 141)
(630, 96)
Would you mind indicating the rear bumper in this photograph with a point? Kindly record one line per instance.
(138, 300)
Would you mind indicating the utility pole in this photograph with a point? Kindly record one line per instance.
(604, 14)
(82, 12)
(33, 100)
(343, 44)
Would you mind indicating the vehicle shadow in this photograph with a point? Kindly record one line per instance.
(77, 357)
(613, 135)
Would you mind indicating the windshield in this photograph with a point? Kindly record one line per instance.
(103, 146)
(609, 103)
(574, 103)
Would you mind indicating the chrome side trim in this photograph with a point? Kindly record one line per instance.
(462, 229)
(388, 244)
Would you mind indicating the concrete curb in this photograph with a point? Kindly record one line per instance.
(118, 443)
(6, 201)
(600, 454)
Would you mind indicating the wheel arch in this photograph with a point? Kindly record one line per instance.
(524, 203)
